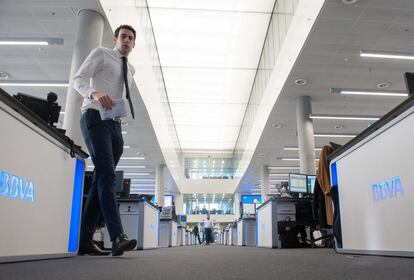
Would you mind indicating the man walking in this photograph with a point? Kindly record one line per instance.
(103, 80)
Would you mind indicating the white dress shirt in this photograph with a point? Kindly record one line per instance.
(208, 224)
(101, 72)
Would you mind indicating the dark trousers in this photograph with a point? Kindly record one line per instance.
(105, 145)
(208, 233)
(198, 237)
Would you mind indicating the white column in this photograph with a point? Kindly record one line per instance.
(237, 204)
(306, 138)
(265, 183)
(88, 36)
(179, 204)
(160, 185)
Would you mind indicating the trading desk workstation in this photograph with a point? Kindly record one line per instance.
(375, 205)
(140, 220)
(41, 180)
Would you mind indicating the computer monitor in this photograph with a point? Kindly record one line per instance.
(298, 183)
(87, 183)
(168, 199)
(252, 199)
(122, 186)
(119, 182)
(126, 188)
(311, 182)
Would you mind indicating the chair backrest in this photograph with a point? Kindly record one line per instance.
(304, 212)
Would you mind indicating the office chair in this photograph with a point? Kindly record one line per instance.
(319, 219)
(307, 216)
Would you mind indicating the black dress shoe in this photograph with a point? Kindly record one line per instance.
(91, 249)
(122, 244)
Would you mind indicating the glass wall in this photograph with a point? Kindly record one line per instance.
(203, 204)
(149, 39)
(282, 15)
(209, 168)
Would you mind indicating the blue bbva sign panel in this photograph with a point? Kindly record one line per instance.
(386, 189)
(16, 187)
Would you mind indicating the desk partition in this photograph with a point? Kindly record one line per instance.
(40, 187)
(140, 220)
(374, 178)
(268, 215)
(246, 231)
(168, 233)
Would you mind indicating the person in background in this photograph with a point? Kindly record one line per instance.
(196, 233)
(208, 229)
(202, 232)
(103, 80)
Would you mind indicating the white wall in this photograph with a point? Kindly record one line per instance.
(208, 186)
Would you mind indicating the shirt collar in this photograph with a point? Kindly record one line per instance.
(118, 53)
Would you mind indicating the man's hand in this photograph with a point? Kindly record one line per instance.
(103, 98)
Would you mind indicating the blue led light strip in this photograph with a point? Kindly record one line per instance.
(76, 207)
(334, 175)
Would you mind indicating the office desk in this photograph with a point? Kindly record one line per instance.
(168, 233)
(40, 187)
(268, 215)
(373, 176)
(233, 234)
(246, 231)
(140, 220)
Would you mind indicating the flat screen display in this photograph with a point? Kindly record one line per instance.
(298, 183)
(168, 199)
(119, 181)
(311, 182)
(255, 199)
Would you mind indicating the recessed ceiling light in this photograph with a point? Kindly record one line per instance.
(31, 41)
(368, 92)
(349, 2)
(386, 54)
(34, 84)
(338, 126)
(4, 75)
(344, 117)
(383, 85)
(301, 82)
(277, 125)
(297, 149)
(282, 167)
(261, 155)
(334, 135)
(132, 158)
(130, 166)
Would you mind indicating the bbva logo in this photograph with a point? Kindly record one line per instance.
(387, 189)
(16, 187)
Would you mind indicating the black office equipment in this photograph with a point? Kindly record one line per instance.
(335, 146)
(409, 82)
(288, 234)
(87, 183)
(48, 110)
(119, 182)
(126, 188)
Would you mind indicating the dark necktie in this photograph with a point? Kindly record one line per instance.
(128, 96)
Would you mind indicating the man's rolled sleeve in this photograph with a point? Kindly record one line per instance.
(91, 65)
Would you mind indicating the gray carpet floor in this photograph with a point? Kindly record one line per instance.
(215, 262)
